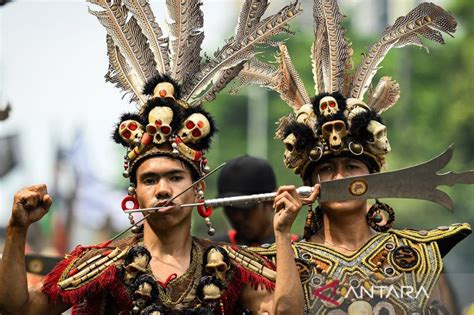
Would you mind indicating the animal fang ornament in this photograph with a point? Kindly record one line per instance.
(380, 144)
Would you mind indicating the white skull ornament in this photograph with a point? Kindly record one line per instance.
(380, 144)
(334, 131)
(129, 130)
(159, 120)
(328, 106)
(292, 157)
(216, 264)
(196, 127)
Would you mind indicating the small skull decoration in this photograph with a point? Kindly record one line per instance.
(164, 90)
(328, 106)
(217, 263)
(135, 263)
(159, 120)
(130, 130)
(209, 290)
(145, 292)
(196, 127)
(380, 144)
(292, 157)
(333, 132)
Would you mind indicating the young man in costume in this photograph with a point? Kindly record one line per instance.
(164, 269)
(352, 262)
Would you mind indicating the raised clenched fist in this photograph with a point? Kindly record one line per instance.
(29, 205)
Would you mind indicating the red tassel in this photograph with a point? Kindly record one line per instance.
(241, 278)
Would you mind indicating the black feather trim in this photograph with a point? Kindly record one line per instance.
(151, 84)
(178, 112)
(204, 143)
(304, 135)
(127, 116)
(341, 102)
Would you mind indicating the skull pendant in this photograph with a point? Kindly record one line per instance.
(130, 130)
(333, 132)
(159, 120)
(379, 144)
(211, 292)
(216, 264)
(136, 263)
(196, 127)
(328, 106)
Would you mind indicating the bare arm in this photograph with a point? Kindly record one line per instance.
(288, 297)
(29, 205)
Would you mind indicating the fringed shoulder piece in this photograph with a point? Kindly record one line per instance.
(87, 271)
(248, 269)
(445, 236)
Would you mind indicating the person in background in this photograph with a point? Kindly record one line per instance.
(251, 223)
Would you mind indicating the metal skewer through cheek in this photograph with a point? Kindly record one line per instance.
(166, 204)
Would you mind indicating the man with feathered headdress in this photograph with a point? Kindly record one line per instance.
(162, 268)
(352, 261)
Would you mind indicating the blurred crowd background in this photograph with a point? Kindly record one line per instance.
(58, 130)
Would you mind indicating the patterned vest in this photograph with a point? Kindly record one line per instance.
(393, 273)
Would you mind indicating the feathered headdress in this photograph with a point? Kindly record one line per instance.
(337, 121)
(165, 76)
